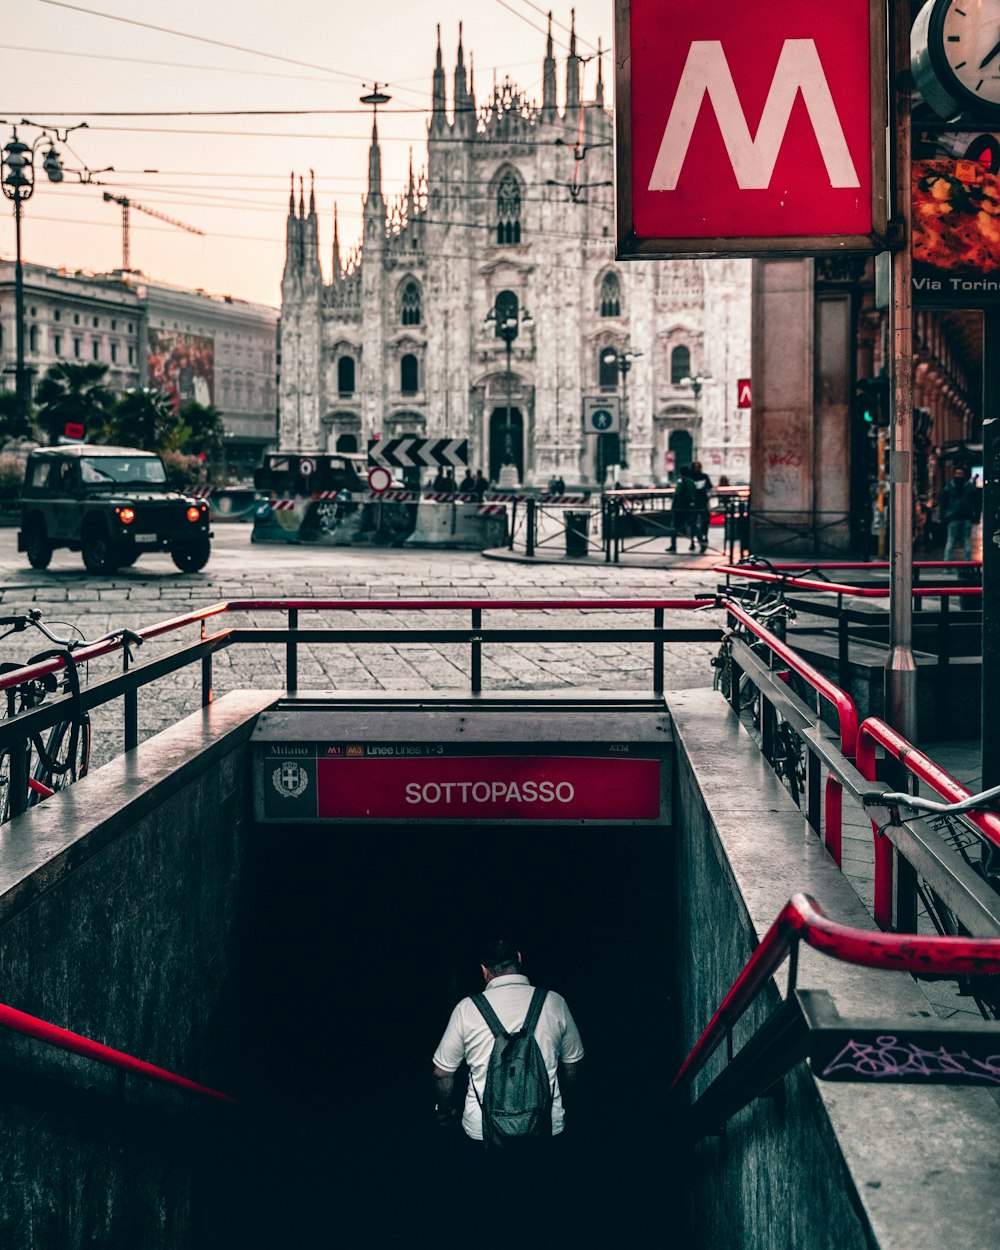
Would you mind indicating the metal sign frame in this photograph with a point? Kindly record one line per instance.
(632, 246)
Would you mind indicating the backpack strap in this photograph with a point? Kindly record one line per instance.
(489, 1015)
(530, 1020)
(534, 1010)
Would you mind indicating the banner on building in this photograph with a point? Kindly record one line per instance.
(747, 130)
(182, 366)
(956, 217)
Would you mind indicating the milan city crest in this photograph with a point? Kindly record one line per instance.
(290, 780)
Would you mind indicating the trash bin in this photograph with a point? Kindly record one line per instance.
(577, 528)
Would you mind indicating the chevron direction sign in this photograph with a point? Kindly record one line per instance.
(750, 129)
(419, 453)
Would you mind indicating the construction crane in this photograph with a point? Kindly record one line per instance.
(127, 204)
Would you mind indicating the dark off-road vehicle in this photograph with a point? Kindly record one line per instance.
(111, 504)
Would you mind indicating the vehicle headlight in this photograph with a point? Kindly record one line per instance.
(126, 515)
(193, 514)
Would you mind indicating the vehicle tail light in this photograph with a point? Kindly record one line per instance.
(126, 515)
(193, 514)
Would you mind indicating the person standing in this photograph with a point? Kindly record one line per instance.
(682, 508)
(959, 510)
(700, 511)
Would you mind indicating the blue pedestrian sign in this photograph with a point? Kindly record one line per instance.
(600, 414)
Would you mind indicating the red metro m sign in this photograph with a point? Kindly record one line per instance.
(750, 129)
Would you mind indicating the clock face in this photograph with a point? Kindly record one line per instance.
(969, 42)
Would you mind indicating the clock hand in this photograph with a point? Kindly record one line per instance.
(994, 51)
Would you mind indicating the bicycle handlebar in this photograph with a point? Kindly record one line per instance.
(20, 622)
(892, 798)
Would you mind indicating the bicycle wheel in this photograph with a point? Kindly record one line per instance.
(63, 758)
(4, 786)
(788, 761)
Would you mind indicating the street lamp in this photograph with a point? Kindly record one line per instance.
(18, 186)
(622, 361)
(507, 320)
(696, 384)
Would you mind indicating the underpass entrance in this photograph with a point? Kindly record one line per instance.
(391, 841)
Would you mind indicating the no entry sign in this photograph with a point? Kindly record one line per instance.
(750, 129)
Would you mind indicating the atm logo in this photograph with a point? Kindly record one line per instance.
(707, 73)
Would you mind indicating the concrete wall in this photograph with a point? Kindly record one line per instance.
(822, 1165)
(119, 919)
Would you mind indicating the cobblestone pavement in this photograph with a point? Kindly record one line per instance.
(153, 591)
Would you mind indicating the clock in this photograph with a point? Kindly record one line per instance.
(955, 57)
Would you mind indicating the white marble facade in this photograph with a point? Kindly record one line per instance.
(515, 203)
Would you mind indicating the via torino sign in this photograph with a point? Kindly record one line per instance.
(750, 129)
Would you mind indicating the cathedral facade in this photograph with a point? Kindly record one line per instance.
(485, 303)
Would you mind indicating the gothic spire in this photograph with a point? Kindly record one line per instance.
(463, 100)
(291, 196)
(549, 80)
(302, 197)
(312, 193)
(374, 164)
(599, 94)
(438, 120)
(336, 245)
(572, 69)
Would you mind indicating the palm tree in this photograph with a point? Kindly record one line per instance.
(203, 432)
(145, 418)
(71, 393)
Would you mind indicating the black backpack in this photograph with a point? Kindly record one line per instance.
(517, 1097)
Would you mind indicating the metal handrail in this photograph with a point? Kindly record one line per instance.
(803, 920)
(843, 704)
(843, 588)
(874, 733)
(77, 1044)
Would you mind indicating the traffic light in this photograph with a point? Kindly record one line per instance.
(872, 400)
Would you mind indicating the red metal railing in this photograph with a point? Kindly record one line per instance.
(802, 919)
(845, 588)
(31, 1026)
(874, 733)
(843, 704)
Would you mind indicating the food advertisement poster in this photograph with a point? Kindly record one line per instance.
(182, 366)
(956, 217)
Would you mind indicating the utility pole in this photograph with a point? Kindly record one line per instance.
(901, 670)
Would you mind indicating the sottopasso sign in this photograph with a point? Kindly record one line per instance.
(750, 129)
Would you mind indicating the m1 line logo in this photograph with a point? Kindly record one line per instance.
(707, 74)
(751, 129)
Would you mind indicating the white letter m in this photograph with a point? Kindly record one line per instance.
(706, 71)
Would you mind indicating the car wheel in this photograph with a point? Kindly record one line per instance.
(191, 557)
(37, 546)
(98, 551)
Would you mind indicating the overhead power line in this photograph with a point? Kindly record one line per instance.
(216, 43)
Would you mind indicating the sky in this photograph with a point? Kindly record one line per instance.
(115, 64)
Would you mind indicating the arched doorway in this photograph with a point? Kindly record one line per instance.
(347, 442)
(506, 442)
(682, 445)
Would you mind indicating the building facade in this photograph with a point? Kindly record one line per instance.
(485, 303)
(216, 350)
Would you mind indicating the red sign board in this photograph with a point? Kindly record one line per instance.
(743, 393)
(499, 787)
(750, 129)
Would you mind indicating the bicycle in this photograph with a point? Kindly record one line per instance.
(976, 851)
(62, 756)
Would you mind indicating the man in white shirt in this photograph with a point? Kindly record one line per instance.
(468, 1039)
